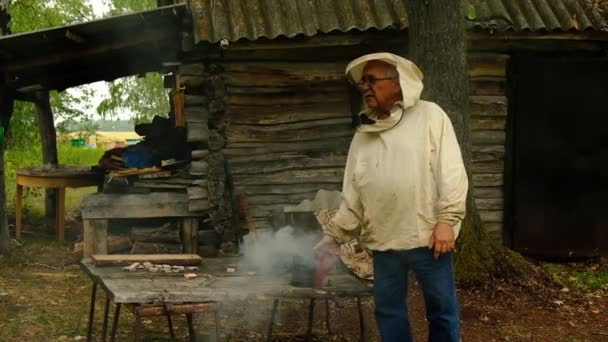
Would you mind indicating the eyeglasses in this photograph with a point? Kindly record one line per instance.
(372, 80)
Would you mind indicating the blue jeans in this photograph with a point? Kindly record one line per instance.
(436, 278)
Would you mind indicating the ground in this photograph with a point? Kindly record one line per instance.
(45, 297)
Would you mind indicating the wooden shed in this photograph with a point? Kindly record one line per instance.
(269, 75)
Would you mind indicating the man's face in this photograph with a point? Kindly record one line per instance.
(379, 92)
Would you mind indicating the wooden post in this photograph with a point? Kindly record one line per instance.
(18, 212)
(95, 237)
(48, 139)
(60, 214)
(179, 97)
(189, 230)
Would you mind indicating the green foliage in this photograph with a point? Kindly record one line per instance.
(590, 276)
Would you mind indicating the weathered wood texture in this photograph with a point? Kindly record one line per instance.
(488, 108)
(156, 248)
(127, 259)
(168, 232)
(290, 128)
(156, 204)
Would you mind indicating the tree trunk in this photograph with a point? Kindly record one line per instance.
(48, 138)
(6, 111)
(437, 44)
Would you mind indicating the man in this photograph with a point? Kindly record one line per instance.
(404, 195)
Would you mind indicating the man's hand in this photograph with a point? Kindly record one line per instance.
(327, 245)
(442, 239)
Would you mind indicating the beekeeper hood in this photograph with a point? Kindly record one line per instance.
(410, 79)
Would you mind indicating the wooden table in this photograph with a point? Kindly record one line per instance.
(213, 285)
(58, 177)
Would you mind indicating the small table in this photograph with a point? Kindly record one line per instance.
(213, 286)
(58, 177)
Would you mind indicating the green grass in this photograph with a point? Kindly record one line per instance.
(588, 276)
(32, 156)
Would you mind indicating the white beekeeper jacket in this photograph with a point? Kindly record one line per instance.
(404, 173)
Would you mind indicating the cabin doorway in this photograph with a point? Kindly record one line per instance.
(557, 176)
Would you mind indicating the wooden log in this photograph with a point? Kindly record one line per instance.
(274, 115)
(105, 260)
(337, 95)
(491, 216)
(168, 233)
(488, 179)
(198, 205)
(175, 309)
(483, 153)
(118, 243)
(199, 154)
(328, 175)
(239, 133)
(488, 137)
(154, 204)
(209, 237)
(336, 123)
(489, 203)
(488, 192)
(199, 167)
(198, 114)
(278, 74)
(195, 100)
(484, 86)
(287, 189)
(487, 64)
(487, 167)
(337, 145)
(278, 165)
(198, 132)
(489, 124)
(193, 69)
(159, 185)
(197, 192)
(156, 248)
(484, 106)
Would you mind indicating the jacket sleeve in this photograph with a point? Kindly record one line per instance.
(345, 226)
(448, 170)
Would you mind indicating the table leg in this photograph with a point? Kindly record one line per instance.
(115, 323)
(191, 333)
(91, 313)
(104, 326)
(361, 321)
(18, 211)
(275, 304)
(60, 214)
(311, 314)
(138, 331)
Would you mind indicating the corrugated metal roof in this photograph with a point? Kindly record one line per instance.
(252, 19)
(541, 15)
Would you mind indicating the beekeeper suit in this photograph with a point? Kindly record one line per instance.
(404, 195)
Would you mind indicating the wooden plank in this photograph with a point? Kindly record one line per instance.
(337, 95)
(88, 248)
(195, 100)
(154, 204)
(159, 185)
(192, 69)
(197, 114)
(487, 64)
(336, 123)
(199, 167)
(487, 167)
(189, 229)
(176, 309)
(128, 259)
(483, 153)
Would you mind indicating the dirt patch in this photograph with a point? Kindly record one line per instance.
(45, 297)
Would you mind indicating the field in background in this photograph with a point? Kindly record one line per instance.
(32, 156)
